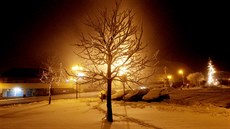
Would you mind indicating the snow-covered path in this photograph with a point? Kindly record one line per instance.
(89, 114)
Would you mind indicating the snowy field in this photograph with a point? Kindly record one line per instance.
(89, 113)
(216, 96)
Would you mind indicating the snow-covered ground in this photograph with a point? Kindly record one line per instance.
(10, 101)
(88, 113)
(216, 96)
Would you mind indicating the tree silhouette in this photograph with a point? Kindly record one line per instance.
(52, 74)
(112, 49)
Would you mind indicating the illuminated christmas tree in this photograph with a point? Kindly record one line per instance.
(212, 81)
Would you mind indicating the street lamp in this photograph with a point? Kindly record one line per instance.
(169, 77)
(77, 70)
(182, 75)
(123, 77)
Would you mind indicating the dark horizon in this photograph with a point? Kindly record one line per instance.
(189, 32)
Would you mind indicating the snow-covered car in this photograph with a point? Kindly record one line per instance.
(156, 94)
(119, 94)
(136, 95)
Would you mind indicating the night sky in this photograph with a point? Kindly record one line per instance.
(185, 31)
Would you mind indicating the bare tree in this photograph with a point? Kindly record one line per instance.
(113, 49)
(52, 74)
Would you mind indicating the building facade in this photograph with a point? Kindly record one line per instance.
(25, 82)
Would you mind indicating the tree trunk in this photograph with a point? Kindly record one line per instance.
(123, 83)
(76, 90)
(109, 88)
(50, 93)
(109, 102)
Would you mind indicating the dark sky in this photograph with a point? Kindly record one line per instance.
(186, 31)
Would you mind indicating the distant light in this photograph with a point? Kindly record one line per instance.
(77, 67)
(180, 71)
(142, 87)
(169, 76)
(80, 74)
(78, 70)
(17, 91)
(123, 71)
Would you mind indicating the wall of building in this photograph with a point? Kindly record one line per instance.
(33, 89)
(41, 89)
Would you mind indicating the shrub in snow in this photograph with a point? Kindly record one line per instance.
(136, 94)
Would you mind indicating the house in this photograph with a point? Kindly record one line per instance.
(25, 82)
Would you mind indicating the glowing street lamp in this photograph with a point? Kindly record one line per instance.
(182, 75)
(77, 71)
(122, 73)
(169, 77)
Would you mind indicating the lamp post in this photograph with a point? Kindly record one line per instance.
(123, 77)
(169, 77)
(77, 70)
(182, 75)
(79, 75)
